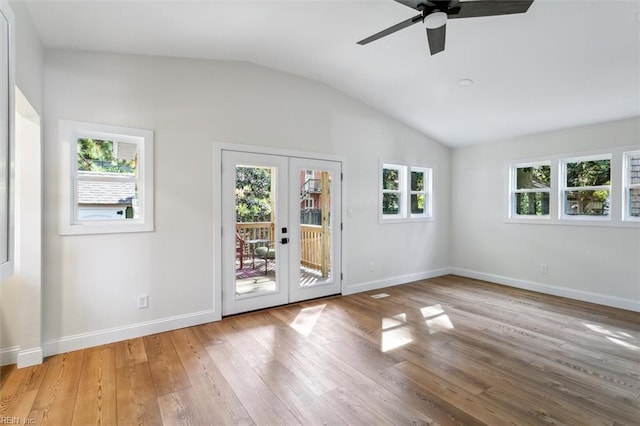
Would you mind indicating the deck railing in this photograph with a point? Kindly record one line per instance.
(310, 240)
(311, 246)
(256, 230)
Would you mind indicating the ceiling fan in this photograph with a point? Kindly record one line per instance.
(434, 14)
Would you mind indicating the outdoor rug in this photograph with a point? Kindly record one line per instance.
(245, 273)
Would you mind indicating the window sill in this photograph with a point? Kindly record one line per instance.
(104, 228)
(604, 223)
(405, 220)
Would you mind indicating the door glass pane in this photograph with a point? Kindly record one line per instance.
(315, 227)
(255, 231)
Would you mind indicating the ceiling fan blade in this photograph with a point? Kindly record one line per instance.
(474, 9)
(436, 38)
(391, 30)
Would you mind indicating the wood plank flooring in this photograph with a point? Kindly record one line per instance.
(448, 350)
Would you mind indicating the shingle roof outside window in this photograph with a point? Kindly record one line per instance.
(108, 191)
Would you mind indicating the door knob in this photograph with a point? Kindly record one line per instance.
(284, 240)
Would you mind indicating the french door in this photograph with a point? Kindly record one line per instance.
(281, 230)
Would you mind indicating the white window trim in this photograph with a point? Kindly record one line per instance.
(513, 190)
(627, 185)
(405, 192)
(563, 188)
(70, 132)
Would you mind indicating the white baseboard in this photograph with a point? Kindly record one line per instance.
(29, 357)
(9, 355)
(388, 282)
(585, 296)
(116, 334)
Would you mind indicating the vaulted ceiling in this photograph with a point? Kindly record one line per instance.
(562, 64)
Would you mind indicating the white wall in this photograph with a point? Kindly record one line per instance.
(20, 310)
(91, 282)
(599, 264)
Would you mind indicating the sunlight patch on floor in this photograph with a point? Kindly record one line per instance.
(439, 323)
(436, 319)
(395, 321)
(624, 344)
(431, 311)
(599, 329)
(306, 319)
(394, 332)
(618, 337)
(395, 338)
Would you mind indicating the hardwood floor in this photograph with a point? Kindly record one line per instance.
(443, 351)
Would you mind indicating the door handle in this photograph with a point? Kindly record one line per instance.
(284, 240)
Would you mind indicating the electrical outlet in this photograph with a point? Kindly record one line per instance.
(143, 301)
(544, 268)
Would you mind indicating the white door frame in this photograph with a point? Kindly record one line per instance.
(217, 208)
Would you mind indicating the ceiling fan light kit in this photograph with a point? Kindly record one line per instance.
(435, 20)
(434, 14)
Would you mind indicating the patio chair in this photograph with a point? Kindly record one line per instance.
(266, 252)
(240, 249)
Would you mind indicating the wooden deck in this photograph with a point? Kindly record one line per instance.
(442, 351)
(315, 243)
(263, 282)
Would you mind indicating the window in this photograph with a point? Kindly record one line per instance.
(308, 203)
(107, 178)
(420, 186)
(405, 192)
(393, 191)
(586, 187)
(530, 190)
(631, 185)
(598, 188)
